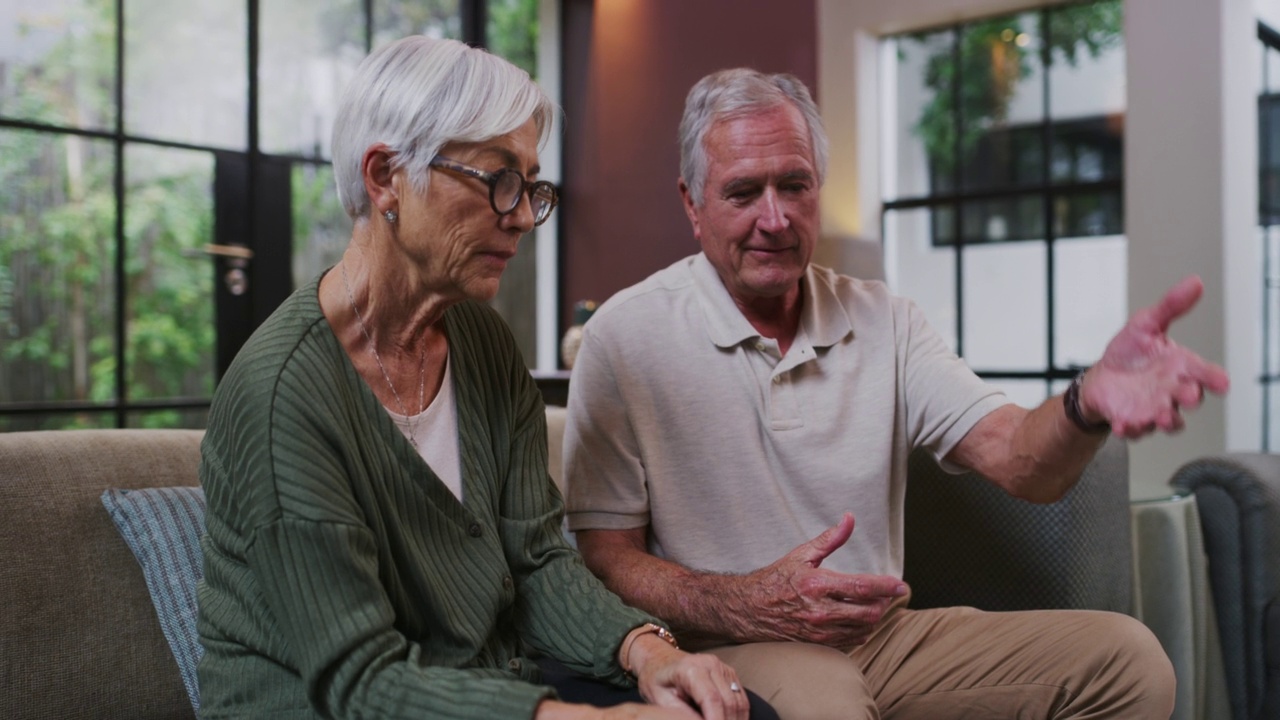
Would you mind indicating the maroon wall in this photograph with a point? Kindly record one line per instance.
(628, 65)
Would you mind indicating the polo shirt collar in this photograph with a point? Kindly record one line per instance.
(822, 317)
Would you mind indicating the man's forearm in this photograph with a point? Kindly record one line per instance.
(700, 607)
(1037, 455)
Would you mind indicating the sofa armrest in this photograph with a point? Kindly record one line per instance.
(1238, 497)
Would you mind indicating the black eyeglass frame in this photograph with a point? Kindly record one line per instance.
(551, 196)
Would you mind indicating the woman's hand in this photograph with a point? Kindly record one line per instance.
(671, 678)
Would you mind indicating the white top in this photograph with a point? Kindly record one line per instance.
(683, 418)
(436, 430)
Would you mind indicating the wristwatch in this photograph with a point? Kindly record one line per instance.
(1071, 404)
(625, 653)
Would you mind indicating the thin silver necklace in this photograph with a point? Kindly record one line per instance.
(422, 364)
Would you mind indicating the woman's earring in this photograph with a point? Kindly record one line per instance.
(391, 216)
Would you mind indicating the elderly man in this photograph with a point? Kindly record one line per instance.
(730, 415)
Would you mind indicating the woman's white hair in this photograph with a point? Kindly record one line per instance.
(729, 94)
(419, 94)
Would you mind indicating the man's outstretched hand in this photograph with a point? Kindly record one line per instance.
(1145, 380)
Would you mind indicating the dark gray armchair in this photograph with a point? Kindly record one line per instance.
(969, 543)
(1238, 498)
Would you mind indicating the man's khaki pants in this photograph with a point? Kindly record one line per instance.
(954, 663)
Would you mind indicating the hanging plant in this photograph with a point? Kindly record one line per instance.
(995, 55)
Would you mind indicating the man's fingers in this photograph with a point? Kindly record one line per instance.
(1177, 302)
(830, 540)
(1209, 375)
(861, 588)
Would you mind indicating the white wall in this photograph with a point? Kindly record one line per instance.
(1190, 176)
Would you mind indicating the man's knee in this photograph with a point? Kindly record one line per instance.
(803, 681)
(1132, 670)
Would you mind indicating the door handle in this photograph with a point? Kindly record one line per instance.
(239, 252)
(237, 256)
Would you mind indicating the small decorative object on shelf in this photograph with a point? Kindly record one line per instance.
(572, 340)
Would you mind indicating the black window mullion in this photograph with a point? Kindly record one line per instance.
(475, 20)
(957, 210)
(118, 180)
(1266, 114)
(1046, 139)
(1264, 148)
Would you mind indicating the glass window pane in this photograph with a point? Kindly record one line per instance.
(57, 293)
(1090, 297)
(1087, 149)
(512, 32)
(1271, 296)
(922, 135)
(194, 419)
(1003, 220)
(321, 228)
(1273, 70)
(1269, 158)
(394, 19)
(310, 50)
(1001, 100)
(1087, 91)
(917, 269)
(58, 62)
(1005, 307)
(1088, 214)
(186, 72)
(168, 219)
(1087, 76)
(1271, 429)
(57, 421)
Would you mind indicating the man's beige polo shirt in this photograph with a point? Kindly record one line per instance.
(682, 417)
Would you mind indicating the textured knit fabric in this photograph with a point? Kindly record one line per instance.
(162, 526)
(343, 579)
(78, 633)
(683, 418)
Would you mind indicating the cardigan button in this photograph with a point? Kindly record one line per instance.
(513, 665)
(474, 530)
(507, 582)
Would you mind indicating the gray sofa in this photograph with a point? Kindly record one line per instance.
(81, 638)
(79, 634)
(1238, 497)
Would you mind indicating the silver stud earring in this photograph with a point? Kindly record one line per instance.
(391, 216)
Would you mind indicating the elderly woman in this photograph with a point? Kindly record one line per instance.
(383, 538)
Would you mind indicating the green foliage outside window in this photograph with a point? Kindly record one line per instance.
(991, 63)
(513, 32)
(58, 244)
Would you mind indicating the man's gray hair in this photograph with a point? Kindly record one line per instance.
(728, 94)
(418, 94)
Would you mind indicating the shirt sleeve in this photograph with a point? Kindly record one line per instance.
(604, 474)
(944, 398)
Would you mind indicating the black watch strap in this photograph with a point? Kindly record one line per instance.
(1071, 404)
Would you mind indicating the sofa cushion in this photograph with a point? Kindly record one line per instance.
(162, 526)
(79, 639)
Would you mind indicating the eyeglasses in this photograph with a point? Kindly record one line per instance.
(505, 188)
